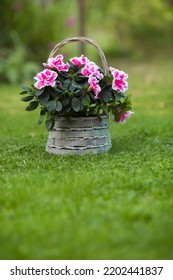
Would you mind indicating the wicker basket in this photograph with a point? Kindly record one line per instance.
(83, 134)
(79, 135)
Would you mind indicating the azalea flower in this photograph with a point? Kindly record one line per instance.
(57, 63)
(91, 69)
(93, 82)
(123, 116)
(79, 60)
(45, 78)
(119, 82)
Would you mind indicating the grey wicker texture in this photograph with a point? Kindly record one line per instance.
(79, 136)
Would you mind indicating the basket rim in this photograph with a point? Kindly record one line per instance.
(82, 118)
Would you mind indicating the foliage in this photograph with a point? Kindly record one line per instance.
(37, 26)
(128, 28)
(117, 205)
(77, 88)
(29, 30)
(136, 27)
(14, 64)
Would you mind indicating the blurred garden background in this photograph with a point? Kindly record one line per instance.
(118, 205)
(31, 28)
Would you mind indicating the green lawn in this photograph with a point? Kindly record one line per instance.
(117, 205)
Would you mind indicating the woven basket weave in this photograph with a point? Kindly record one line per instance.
(83, 134)
(79, 135)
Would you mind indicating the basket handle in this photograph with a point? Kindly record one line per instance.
(84, 40)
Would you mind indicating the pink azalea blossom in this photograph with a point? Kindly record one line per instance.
(79, 60)
(119, 82)
(123, 116)
(57, 63)
(45, 78)
(93, 82)
(91, 69)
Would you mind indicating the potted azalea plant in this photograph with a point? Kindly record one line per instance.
(77, 90)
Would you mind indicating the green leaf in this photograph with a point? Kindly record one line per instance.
(75, 85)
(26, 88)
(32, 106)
(106, 110)
(42, 112)
(27, 98)
(107, 95)
(23, 92)
(42, 116)
(65, 100)
(49, 124)
(66, 84)
(100, 111)
(52, 92)
(44, 97)
(51, 105)
(58, 89)
(80, 77)
(86, 99)
(58, 106)
(67, 108)
(117, 116)
(93, 105)
(123, 94)
(76, 105)
(64, 75)
(38, 92)
(117, 97)
(77, 93)
(124, 109)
